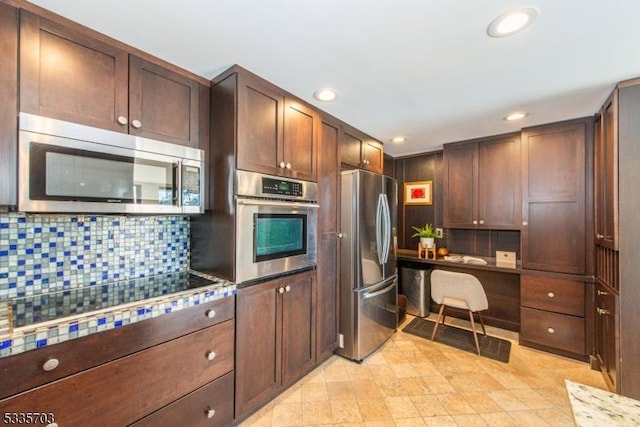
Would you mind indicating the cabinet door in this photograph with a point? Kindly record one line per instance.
(598, 180)
(553, 197)
(300, 140)
(9, 104)
(260, 127)
(373, 156)
(605, 337)
(460, 186)
(609, 173)
(499, 183)
(69, 76)
(298, 326)
(258, 344)
(328, 241)
(163, 105)
(351, 153)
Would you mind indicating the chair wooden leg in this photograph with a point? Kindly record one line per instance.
(435, 327)
(475, 336)
(484, 331)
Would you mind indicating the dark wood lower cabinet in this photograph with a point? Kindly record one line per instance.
(173, 376)
(211, 405)
(275, 343)
(552, 314)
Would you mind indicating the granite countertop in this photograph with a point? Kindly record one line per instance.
(35, 321)
(593, 407)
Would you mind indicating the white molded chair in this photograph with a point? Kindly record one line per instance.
(459, 290)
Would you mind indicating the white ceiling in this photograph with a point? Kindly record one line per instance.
(424, 69)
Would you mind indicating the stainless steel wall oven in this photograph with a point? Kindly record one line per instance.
(276, 226)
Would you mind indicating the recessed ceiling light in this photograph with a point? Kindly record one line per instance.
(326, 95)
(516, 116)
(398, 139)
(513, 22)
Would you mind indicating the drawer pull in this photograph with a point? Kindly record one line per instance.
(210, 314)
(602, 311)
(551, 294)
(50, 365)
(551, 330)
(211, 355)
(211, 413)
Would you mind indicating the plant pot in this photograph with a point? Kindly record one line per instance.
(427, 242)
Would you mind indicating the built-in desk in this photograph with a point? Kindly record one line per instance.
(502, 286)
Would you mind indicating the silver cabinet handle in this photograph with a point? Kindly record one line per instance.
(122, 120)
(211, 355)
(551, 330)
(50, 365)
(481, 222)
(475, 222)
(136, 124)
(281, 290)
(340, 235)
(551, 294)
(525, 223)
(211, 412)
(287, 288)
(602, 311)
(602, 292)
(210, 314)
(288, 166)
(282, 164)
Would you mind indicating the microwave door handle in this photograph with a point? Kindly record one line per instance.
(177, 183)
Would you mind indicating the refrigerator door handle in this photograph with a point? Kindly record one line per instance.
(387, 229)
(379, 238)
(374, 294)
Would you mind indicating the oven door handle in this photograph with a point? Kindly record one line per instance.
(277, 203)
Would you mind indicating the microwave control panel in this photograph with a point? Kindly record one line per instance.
(281, 187)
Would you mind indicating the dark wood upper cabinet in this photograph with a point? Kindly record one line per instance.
(606, 174)
(482, 183)
(68, 75)
(163, 105)
(9, 103)
(553, 197)
(361, 151)
(277, 134)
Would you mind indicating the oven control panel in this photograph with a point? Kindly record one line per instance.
(281, 187)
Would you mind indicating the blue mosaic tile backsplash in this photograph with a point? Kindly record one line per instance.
(48, 253)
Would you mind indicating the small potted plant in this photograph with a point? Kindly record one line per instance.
(427, 234)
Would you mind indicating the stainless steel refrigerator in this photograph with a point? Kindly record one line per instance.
(368, 273)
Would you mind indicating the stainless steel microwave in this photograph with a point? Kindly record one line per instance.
(67, 167)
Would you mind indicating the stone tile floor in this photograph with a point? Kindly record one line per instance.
(411, 381)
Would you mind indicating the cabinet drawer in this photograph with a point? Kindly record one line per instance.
(24, 371)
(127, 389)
(552, 294)
(555, 330)
(195, 408)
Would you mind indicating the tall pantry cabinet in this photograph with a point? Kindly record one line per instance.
(555, 280)
(616, 237)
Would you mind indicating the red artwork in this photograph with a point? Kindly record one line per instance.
(417, 193)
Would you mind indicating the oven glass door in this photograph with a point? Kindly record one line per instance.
(279, 236)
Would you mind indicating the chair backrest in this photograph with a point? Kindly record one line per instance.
(458, 285)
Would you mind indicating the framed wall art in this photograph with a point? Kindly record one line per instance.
(418, 193)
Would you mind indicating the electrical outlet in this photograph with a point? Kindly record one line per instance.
(439, 233)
